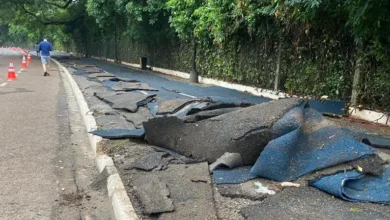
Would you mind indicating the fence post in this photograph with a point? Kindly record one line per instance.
(194, 76)
(277, 73)
(356, 75)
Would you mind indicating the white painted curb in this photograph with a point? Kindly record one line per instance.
(123, 209)
(371, 116)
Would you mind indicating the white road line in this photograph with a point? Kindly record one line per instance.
(3, 84)
(143, 92)
(188, 95)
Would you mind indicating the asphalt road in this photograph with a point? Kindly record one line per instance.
(170, 88)
(45, 162)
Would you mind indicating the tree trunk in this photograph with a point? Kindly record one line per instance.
(357, 75)
(277, 73)
(194, 77)
(116, 40)
(86, 47)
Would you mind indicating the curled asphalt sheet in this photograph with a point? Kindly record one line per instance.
(189, 107)
(230, 160)
(102, 79)
(246, 131)
(119, 133)
(172, 106)
(96, 75)
(306, 142)
(370, 139)
(218, 105)
(117, 79)
(131, 86)
(129, 101)
(208, 114)
(92, 70)
(357, 187)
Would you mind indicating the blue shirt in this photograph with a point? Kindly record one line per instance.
(45, 48)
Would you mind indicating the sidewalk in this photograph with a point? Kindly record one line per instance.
(38, 165)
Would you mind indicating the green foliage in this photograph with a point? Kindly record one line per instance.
(239, 39)
(182, 17)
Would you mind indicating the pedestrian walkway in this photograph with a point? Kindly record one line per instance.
(37, 178)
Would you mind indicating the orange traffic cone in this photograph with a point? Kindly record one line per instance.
(11, 72)
(28, 59)
(24, 64)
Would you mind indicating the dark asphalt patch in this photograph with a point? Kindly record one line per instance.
(152, 161)
(309, 203)
(129, 101)
(153, 195)
(172, 106)
(142, 115)
(95, 75)
(233, 176)
(208, 114)
(159, 82)
(7, 90)
(119, 133)
(113, 121)
(131, 86)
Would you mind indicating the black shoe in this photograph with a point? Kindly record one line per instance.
(46, 74)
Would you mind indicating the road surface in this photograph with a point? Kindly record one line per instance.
(45, 162)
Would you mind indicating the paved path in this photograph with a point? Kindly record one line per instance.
(42, 172)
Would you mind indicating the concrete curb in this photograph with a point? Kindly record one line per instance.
(120, 202)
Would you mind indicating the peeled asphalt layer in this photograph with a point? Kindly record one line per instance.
(170, 89)
(308, 201)
(45, 162)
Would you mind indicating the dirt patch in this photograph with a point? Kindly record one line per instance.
(71, 199)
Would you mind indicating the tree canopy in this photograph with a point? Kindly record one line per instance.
(316, 37)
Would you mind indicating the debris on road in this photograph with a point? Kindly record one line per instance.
(290, 184)
(253, 152)
(119, 133)
(173, 106)
(262, 189)
(153, 195)
(230, 160)
(152, 161)
(131, 86)
(129, 101)
(247, 190)
(246, 131)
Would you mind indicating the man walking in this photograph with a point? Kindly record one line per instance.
(45, 48)
(37, 49)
